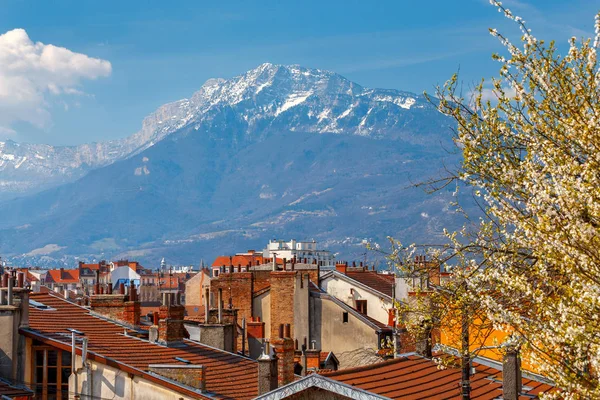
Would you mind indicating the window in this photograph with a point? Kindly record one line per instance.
(345, 317)
(361, 306)
(51, 370)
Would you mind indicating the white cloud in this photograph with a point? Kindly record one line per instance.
(33, 75)
(492, 95)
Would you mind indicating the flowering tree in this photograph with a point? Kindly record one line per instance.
(533, 157)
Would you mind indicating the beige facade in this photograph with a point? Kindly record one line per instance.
(331, 333)
(196, 287)
(96, 380)
(349, 291)
(261, 305)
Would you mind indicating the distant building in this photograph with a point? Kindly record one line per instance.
(302, 251)
(62, 279)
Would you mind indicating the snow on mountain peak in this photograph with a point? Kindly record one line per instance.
(270, 96)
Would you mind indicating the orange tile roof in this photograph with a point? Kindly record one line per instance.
(415, 377)
(227, 375)
(381, 282)
(241, 259)
(68, 276)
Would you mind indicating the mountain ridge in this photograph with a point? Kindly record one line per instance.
(277, 151)
(25, 168)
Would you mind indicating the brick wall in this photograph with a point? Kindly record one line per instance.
(190, 375)
(132, 312)
(282, 300)
(170, 324)
(284, 350)
(116, 307)
(239, 287)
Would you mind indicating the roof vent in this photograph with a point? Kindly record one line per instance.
(40, 306)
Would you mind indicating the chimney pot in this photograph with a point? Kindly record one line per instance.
(287, 331)
(281, 330)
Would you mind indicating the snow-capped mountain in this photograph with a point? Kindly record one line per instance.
(269, 97)
(280, 151)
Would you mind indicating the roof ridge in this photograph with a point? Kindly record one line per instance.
(369, 366)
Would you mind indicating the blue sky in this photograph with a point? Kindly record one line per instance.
(163, 51)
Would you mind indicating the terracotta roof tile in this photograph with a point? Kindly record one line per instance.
(236, 260)
(381, 282)
(68, 276)
(414, 377)
(227, 375)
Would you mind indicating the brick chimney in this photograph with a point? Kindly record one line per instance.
(341, 267)
(120, 307)
(171, 330)
(511, 375)
(284, 350)
(283, 286)
(132, 311)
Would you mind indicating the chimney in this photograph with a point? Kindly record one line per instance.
(220, 306)
(187, 374)
(132, 308)
(255, 331)
(97, 284)
(313, 356)
(20, 280)
(284, 263)
(511, 375)
(170, 325)
(423, 343)
(341, 267)
(284, 349)
(206, 305)
(62, 273)
(303, 360)
(267, 371)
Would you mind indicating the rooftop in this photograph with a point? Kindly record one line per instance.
(8, 390)
(227, 375)
(238, 259)
(415, 377)
(63, 276)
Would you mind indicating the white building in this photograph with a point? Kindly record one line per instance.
(300, 250)
(124, 274)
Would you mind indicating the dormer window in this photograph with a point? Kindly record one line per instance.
(361, 306)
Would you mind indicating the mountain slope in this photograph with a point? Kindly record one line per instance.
(279, 151)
